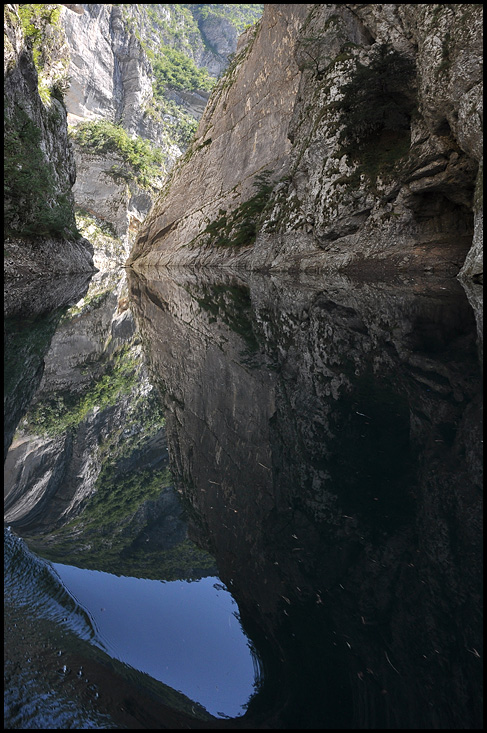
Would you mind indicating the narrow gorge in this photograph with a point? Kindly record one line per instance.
(243, 395)
(366, 120)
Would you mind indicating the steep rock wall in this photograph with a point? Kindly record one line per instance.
(111, 78)
(243, 131)
(369, 172)
(39, 223)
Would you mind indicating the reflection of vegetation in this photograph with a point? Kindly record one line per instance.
(132, 492)
(55, 414)
(232, 305)
(118, 495)
(109, 548)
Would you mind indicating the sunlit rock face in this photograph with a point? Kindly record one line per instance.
(110, 74)
(110, 79)
(120, 203)
(327, 441)
(391, 194)
(242, 132)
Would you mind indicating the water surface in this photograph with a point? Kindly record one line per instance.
(271, 485)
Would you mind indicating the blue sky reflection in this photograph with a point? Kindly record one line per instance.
(185, 634)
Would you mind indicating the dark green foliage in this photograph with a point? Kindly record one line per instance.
(174, 69)
(239, 227)
(32, 206)
(376, 109)
(240, 15)
(54, 415)
(143, 161)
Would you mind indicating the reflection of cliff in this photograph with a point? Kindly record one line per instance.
(32, 311)
(328, 445)
(86, 476)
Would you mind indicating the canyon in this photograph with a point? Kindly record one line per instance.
(363, 174)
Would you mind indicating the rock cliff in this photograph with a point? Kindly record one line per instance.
(365, 120)
(113, 50)
(39, 226)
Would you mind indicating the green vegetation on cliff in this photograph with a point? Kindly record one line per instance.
(142, 160)
(174, 69)
(42, 30)
(37, 192)
(33, 207)
(239, 15)
(238, 228)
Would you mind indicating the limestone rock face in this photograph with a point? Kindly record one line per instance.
(110, 74)
(100, 191)
(111, 79)
(381, 180)
(222, 36)
(40, 253)
(245, 123)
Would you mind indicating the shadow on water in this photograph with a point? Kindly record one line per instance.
(313, 445)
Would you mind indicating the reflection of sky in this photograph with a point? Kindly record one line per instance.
(183, 634)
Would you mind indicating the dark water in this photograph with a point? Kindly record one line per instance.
(244, 502)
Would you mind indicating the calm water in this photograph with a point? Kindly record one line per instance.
(244, 502)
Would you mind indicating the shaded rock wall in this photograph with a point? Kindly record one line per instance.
(32, 310)
(400, 191)
(327, 442)
(40, 252)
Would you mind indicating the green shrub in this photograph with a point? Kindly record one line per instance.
(143, 161)
(42, 30)
(176, 70)
(240, 15)
(32, 206)
(239, 227)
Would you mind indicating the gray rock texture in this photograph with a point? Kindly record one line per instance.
(242, 131)
(356, 412)
(123, 204)
(111, 78)
(403, 200)
(37, 254)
